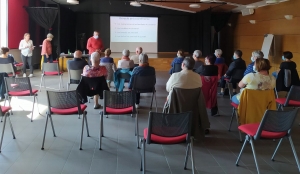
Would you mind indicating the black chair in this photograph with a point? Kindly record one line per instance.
(51, 69)
(65, 103)
(168, 129)
(119, 103)
(145, 84)
(74, 77)
(274, 125)
(4, 112)
(177, 67)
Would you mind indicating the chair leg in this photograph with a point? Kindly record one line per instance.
(37, 104)
(155, 101)
(151, 100)
(100, 130)
(45, 131)
(68, 86)
(5, 115)
(32, 108)
(143, 168)
(243, 147)
(52, 125)
(254, 154)
(137, 130)
(59, 85)
(186, 155)
(192, 155)
(11, 128)
(232, 115)
(294, 152)
(237, 122)
(273, 156)
(86, 124)
(82, 127)
(41, 82)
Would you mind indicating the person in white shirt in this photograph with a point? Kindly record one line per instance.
(135, 58)
(186, 78)
(26, 47)
(125, 62)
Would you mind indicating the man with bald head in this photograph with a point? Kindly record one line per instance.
(77, 62)
(135, 58)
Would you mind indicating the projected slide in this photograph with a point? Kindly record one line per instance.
(131, 32)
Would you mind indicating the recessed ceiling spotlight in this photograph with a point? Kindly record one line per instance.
(205, 0)
(135, 4)
(271, 2)
(72, 1)
(194, 6)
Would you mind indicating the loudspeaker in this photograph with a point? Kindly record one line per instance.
(247, 11)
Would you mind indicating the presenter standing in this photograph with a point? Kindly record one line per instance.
(26, 47)
(94, 43)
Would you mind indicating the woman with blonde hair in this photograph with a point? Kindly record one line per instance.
(108, 62)
(26, 47)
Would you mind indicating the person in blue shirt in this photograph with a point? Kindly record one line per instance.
(220, 59)
(177, 60)
(143, 70)
(255, 54)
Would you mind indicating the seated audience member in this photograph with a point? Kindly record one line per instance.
(234, 72)
(143, 70)
(77, 63)
(255, 54)
(209, 69)
(125, 62)
(261, 80)
(287, 63)
(108, 62)
(218, 54)
(197, 55)
(177, 60)
(95, 70)
(186, 78)
(6, 58)
(135, 58)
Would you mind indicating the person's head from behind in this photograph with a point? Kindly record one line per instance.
(50, 36)
(257, 54)
(26, 36)
(180, 53)
(96, 34)
(210, 59)
(125, 53)
(262, 64)
(107, 52)
(143, 59)
(237, 54)
(95, 59)
(197, 54)
(287, 55)
(77, 54)
(4, 51)
(138, 50)
(188, 63)
(218, 53)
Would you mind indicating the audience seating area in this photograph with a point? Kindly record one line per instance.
(111, 143)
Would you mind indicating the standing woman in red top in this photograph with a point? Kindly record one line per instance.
(94, 43)
(47, 49)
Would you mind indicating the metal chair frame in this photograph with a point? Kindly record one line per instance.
(51, 67)
(6, 115)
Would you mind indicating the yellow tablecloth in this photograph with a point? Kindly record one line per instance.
(62, 63)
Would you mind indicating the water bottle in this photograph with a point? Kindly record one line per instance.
(69, 52)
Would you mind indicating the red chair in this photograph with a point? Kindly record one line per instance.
(292, 100)
(65, 103)
(51, 69)
(274, 125)
(20, 87)
(119, 103)
(4, 112)
(235, 113)
(168, 129)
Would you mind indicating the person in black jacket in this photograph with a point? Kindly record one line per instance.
(209, 69)
(235, 72)
(77, 63)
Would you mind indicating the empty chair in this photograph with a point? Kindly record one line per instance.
(74, 77)
(51, 69)
(292, 100)
(168, 129)
(274, 125)
(8, 68)
(20, 87)
(65, 103)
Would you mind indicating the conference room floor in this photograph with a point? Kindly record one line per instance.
(216, 155)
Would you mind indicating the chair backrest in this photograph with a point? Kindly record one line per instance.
(177, 67)
(63, 100)
(74, 75)
(125, 76)
(7, 68)
(287, 78)
(144, 83)
(169, 125)
(277, 121)
(294, 94)
(18, 84)
(209, 90)
(119, 100)
(50, 67)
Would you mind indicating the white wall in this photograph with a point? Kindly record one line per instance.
(3, 22)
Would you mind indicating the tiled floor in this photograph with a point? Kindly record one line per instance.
(216, 155)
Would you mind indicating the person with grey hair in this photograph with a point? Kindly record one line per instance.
(142, 70)
(220, 59)
(186, 78)
(47, 49)
(197, 55)
(135, 58)
(95, 70)
(125, 62)
(255, 54)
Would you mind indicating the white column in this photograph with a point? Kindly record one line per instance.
(3, 23)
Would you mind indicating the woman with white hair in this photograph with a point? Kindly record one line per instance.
(47, 49)
(125, 62)
(220, 59)
(197, 55)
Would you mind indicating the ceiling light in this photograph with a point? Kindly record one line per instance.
(283, 0)
(135, 4)
(72, 1)
(250, 6)
(288, 17)
(252, 21)
(205, 0)
(194, 6)
(272, 2)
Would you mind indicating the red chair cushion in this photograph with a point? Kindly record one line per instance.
(165, 140)
(251, 130)
(22, 93)
(52, 73)
(17, 73)
(19, 64)
(291, 102)
(234, 105)
(55, 61)
(119, 111)
(5, 109)
(68, 111)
